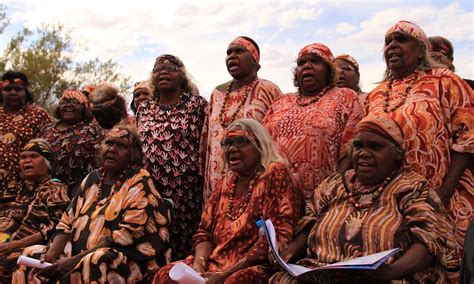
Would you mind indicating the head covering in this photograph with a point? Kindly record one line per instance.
(412, 29)
(122, 133)
(142, 85)
(349, 59)
(41, 147)
(87, 90)
(73, 94)
(168, 58)
(442, 44)
(104, 95)
(250, 46)
(239, 132)
(319, 49)
(382, 125)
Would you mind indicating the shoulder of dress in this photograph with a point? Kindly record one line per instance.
(223, 87)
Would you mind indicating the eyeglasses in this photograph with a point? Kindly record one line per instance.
(15, 88)
(238, 141)
(168, 68)
(73, 102)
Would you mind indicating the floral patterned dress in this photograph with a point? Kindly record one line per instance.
(274, 197)
(436, 118)
(407, 211)
(313, 134)
(170, 140)
(134, 219)
(16, 129)
(26, 210)
(77, 148)
(250, 101)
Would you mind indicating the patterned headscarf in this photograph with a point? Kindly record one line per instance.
(239, 132)
(72, 94)
(16, 81)
(142, 85)
(382, 125)
(122, 133)
(87, 90)
(168, 58)
(319, 49)
(349, 59)
(412, 29)
(41, 147)
(249, 46)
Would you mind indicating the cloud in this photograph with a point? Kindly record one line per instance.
(345, 28)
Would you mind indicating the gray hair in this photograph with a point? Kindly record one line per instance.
(263, 143)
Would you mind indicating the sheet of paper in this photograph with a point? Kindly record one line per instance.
(32, 262)
(184, 274)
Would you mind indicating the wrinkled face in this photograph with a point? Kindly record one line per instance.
(239, 61)
(140, 96)
(241, 155)
(14, 97)
(402, 54)
(71, 111)
(346, 75)
(166, 77)
(115, 154)
(372, 157)
(311, 73)
(33, 166)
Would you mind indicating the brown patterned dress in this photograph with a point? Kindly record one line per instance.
(26, 210)
(16, 129)
(136, 221)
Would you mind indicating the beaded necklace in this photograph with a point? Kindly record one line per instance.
(363, 201)
(115, 186)
(404, 96)
(226, 97)
(242, 208)
(304, 101)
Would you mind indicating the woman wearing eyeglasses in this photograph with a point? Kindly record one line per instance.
(256, 183)
(170, 124)
(76, 136)
(20, 121)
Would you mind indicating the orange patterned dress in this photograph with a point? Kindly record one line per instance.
(16, 129)
(250, 101)
(407, 211)
(274, 197)
(436, 118)
(314, 136)
(135, 220)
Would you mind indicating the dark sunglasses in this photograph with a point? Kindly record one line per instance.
(168, 68)
(16, 88)
(238, 141)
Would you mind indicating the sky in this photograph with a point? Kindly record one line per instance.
(134, 33)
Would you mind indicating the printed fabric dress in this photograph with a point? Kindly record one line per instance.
(225, 107)
(134, 220)
(76, 147)
(26, 210)
(16, 129)
(170, 140)
(436, 118)
(407, 211)
(313, 133)
(274, 197)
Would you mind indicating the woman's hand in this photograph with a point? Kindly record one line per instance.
(199, 265)
(286, 252)
(214, 277)
(59, 268)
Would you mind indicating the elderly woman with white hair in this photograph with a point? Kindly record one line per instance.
(30, 210)
(257, 183)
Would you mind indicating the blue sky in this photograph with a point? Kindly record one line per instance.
(134, 33)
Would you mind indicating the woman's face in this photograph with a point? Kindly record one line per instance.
(139, 96)
(116, 154)
(241, 155)
(33, 166)
(166, 77)
(311, 72)
(402, 54)
(346, 75)
(239, 62)
(14, 97)
(71, 111)
(373, 158)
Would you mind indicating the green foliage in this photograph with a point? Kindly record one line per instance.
(46, 56)
(3, 18)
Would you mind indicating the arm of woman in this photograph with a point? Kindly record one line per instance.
(202, 252)
(7, 248)
(458, 165)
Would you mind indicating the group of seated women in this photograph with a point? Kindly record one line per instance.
(339, 176)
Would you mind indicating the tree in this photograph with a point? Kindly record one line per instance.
(46, 57)
(3, 18)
